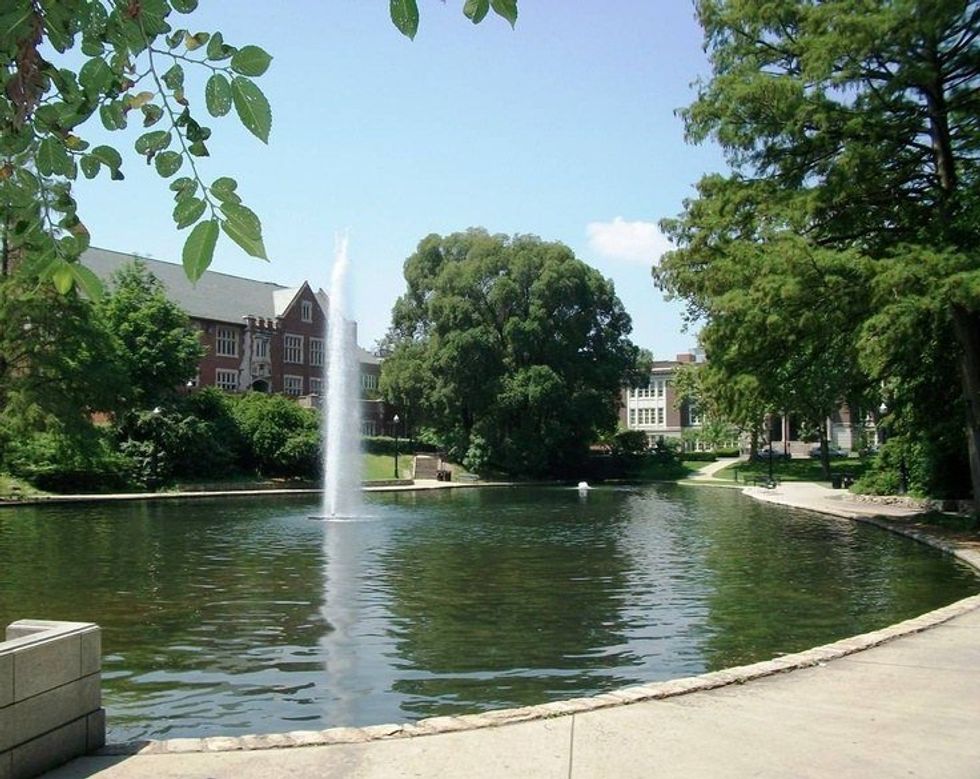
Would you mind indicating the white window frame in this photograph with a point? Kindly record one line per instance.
(226, 379)
(317, 352)
(306, 310)
(294, 391)
(369, 381)
(223, 337)
(316, 385)
(289, 351)
(260, 347)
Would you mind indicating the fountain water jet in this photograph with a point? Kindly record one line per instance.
(341, 424)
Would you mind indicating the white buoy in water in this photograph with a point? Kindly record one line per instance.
(583, 485)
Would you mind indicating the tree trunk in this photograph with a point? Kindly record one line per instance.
(824, 453)
(966, 325)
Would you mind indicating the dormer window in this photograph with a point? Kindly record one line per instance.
(307, 310)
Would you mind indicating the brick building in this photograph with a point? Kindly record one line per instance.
(258, 335)
(654, 410)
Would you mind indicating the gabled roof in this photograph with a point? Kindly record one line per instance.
(218, 296)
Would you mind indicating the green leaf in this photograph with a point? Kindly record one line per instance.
(113, 116)
(95, 76)
(107, 156)
(199, 248)
(152, 114)
(405, 15)
(174, 78)
(168, 163)
(198, 149)
(252, 107)
(476, 10)
(153, 141)
(218, 49)
(506, 9)
(90, 166)
(52, 158)
(224, 190)
(188, 211)
(62, 277)
(184, 6)
(243, 218)
(183, 184)
(87, 280)
(252, 246)
(217, 95)
(250, 61)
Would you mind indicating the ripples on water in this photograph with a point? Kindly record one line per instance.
(242, 615)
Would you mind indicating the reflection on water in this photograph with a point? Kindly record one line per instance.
(242, 615)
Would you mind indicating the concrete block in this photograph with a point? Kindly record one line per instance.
(49, 710)
(91, 651)
(95, 730)
(6, 680)
(44, 665)
(50, 750)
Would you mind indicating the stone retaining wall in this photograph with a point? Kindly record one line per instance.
(50, 695)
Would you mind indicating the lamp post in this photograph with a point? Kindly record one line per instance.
(396, 420)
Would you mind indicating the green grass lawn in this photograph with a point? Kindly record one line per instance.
(377, 467)
(15, 489)
(803, 469)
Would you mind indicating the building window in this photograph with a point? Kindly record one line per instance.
(316, 352)
(307, 310)
(632, 417)
(693, 416)
(369, 427)
(369, 381)
(292, 385)
(261, 348)
(316, 386)
(292, 350)
(226, 342)
(660, 416)
(226, 380)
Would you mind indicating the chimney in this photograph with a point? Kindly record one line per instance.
(686, 357)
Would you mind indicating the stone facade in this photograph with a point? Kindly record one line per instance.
(257, 335)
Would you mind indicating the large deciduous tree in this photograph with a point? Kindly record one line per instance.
(159, 348)
(512, 349)
(851, 125)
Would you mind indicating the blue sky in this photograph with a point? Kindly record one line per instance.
(563, 127)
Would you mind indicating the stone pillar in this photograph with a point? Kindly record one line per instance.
(50, 695)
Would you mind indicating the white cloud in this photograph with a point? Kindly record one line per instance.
(640, 242)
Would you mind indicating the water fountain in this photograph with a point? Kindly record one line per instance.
(341, 456)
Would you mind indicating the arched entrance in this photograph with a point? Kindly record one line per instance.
(260, 385)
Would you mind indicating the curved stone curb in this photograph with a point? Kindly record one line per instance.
(647, 692)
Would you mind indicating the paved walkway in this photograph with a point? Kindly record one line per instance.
(906, 707)
(708, 471)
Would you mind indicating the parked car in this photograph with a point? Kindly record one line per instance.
(834, 452)
(777, 454)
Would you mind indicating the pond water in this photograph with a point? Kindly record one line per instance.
(243, 615)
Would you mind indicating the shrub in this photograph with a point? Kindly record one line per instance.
(629, 443)
(278, 435)
(701, 457)
(57, 462)
(386, 445)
